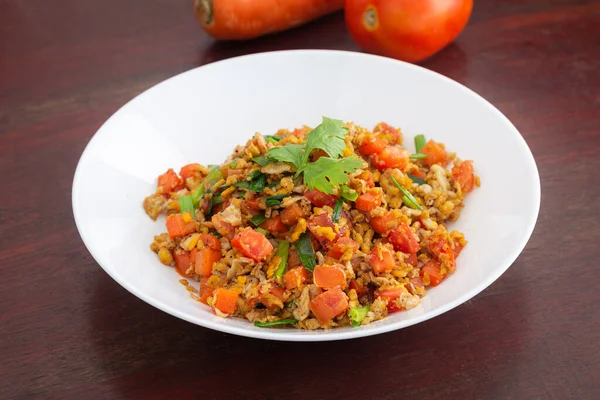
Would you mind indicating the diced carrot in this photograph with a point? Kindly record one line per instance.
(291, 214)
(274, 225)
(384, 223)
(343, 245)
(211, 241)
(205, 290)
(182, 262)
(189, 170)
(371, 145)
(382, 258)
(360, 289)
(252, 244)
(329, 276)
(328, 305)
(205, 258)
(369, 200)
(464, 175)
(225, 300)
(432, 272)
(435, 154)
(295, 277)
(179, 225)
(419, 174)
(169, 182)
(391, 157)
(253, 204)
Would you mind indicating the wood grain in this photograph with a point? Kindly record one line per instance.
(67, 331)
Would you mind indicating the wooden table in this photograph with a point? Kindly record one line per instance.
(68, 331)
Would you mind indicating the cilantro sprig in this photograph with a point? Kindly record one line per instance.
(327, 172)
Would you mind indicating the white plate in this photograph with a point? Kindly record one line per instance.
(200, 115)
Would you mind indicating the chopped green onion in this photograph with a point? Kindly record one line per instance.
(233, 165)
(263, 231)
(254, 174)
(213, 177)
(273, 201)
(217, 199)
(337, 210)
(242, 184)
(272, 140)
(357, 314)
(347, 193)
(258, 219)
(408, 198)
(272, 137)
(416, 179)
(217, 234)
(418, 156)
(262, 160)
(306, 254)
(289, 304)
(282, 251)
(186, 204)
(275, 323)
(419, 142)
(258, 184)
(242, 193)
(273, 184)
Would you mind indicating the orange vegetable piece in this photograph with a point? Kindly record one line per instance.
(390, 295)
(205, 290)
(182, 262)
(329, 276)
(211, 241)
(404, 239)
(391, 157)
(384, 223)
(205, 258)
(360, 289)
(343, 245)
(382, 258)
(432, 271)
(388, 132)
(179, 225)
(295, 277)
(328, 305)
(291, 214)
(463, 174)
(225, 300)
(169, 182)
(252, 244)
(274, 225)
(369, 200)
(435, 154)
(189, 170)
(371, 145)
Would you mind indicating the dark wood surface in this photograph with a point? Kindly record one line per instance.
(67, 330)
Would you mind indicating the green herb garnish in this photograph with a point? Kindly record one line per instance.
(408, 198)
(275, 323)
(347, 193)
(213, 177)
(273, 137)
(273, 201)
(416, 179)
(337, 210)
(186, 204)
(263, 231)
(258, 219)
(258, 184)
(418, 156)
(305, 251)
(282, 251)
(357, 314)
(262, 160)
(217, 199)
(419, 142)
(242, 184)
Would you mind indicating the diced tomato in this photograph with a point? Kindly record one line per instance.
(274, 225)
(273, 299)
(329, 276)
(457, 248)
(390, 295)
(382, 258)
(205, 290)
(182, 262)
(293, 259)
(179, 225)
(416, 283)
(432, 272)
(223, 227)
(369, 200)
(189, 170)
(211, 241)
(252, 244)
(419, 174)
(360, 289)
(295, 277)
(388, 132)
(343, 245)
(391, 157)
(463, 174)
(169, 182)
(441, 248)
(291, 214)
(367, 176)
(225, 300)
(254, 204)
(328, 305)
(320, 199)
(383, 223)
(205, 258)
(435, 154)
(404, 239)
(322, 227)
(300, 132)
(371, 145)
(412, 259)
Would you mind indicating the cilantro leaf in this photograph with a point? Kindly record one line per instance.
(328, 136)
(326, 172)
(291, 153)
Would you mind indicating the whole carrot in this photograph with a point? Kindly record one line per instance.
(247, 19)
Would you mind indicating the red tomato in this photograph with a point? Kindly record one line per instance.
(223, 227)
(182, 262)
(367, 176)
(293, 259)
(360, 289)
(419, 174)
(408, 30)
(390, 295)
(179, 225)
(211, 241)
(388, 132)
(252, 244)
(189, 170)
(343, 245)
(371, 145)
(205, 258)
(291, 214)
(369, 200)
(416, 284)
(404, 239)
(205, 290)
(391, 157)
(435, 154)
(329, 276)
(225, 300)
(274, 225)
(169, 182)
(441, 248)
(382, 258)
(412, 259)
(321, 226)
(328, 305)
(463, 174)
(384, 223)
(295, 277)
(320, 199)
(432, 271)
(273, 299)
